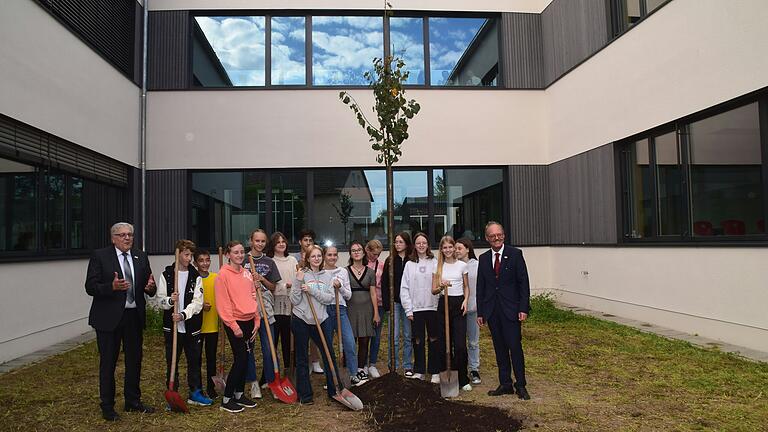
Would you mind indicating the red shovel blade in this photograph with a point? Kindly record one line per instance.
(175, 402)
(283, 390)
(219, 383)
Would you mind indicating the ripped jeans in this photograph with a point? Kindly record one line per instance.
(426, 325)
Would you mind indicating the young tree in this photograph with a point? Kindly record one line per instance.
(386, 135)
(344, 210)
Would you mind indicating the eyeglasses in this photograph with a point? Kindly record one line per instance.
(356, 250)
(495, 236)
(124, 235)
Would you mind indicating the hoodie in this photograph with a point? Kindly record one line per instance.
(234, 297)
(320, 291)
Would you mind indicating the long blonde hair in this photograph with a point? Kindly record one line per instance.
(441, 257)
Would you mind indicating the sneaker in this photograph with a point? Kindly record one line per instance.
(373, 372)
(212, 393)
(231, 406)
(354, 380)
(316, 368)
(475, 376)
(362, 377)
(467, 387)
(435, 379)
(255, 390)
(197, 398)
(408, 373)
(245, 402)
(418, 376)
(307, 402)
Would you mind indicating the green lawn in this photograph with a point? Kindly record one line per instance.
(583, 373)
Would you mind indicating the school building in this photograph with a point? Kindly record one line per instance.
(622, 143)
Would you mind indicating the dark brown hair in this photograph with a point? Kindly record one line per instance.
(468, 244)
(184, 244)
(273, 240)
(365, 257)
(414, 254)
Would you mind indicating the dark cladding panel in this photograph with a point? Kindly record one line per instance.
(529, 205)
(522, 55)
(168, 50)
(583, 198)
(572, 30)
(168, 208)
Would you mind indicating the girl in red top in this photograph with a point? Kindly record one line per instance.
(238, 311)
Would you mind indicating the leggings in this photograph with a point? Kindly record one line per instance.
(236, 377)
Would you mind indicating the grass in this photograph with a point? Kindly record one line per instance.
(583, 373)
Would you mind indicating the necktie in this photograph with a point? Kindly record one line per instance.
(497, 265)
(128, 277)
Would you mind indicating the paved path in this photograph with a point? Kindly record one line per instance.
(672, 334)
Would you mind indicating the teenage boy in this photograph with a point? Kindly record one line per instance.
(306, 241)
(188, 320)
(209, 332)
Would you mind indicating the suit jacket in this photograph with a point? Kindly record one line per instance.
(510, 292)
(108, 305)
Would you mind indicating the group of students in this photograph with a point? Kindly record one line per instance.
(298, 289)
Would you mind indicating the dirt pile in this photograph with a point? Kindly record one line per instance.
(399, 404)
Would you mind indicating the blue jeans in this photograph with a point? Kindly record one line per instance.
(407, 343)
(302, 333)
(269, 369)
(473, 341)
(376, 340)
(347, 337)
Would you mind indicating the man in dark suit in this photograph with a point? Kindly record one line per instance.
(503, 301)
(117, 279)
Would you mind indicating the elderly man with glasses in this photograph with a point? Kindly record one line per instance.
(118, 278)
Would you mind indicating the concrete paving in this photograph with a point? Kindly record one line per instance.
(44, 353)
(668, 333)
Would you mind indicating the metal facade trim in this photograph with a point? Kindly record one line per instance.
(522, 51)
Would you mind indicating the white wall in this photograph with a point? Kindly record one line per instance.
(50, 79)
(688, 56)
(301, 128)
(45, 303)
(532, 6)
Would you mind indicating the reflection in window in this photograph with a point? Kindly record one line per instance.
(54, 211)
(288, 65)
(289, 194)
(669, 178)
(406, 37)
(345, 205)
(343, 48)
(726, 179)
(640, 193)
(18, 190)
(76, 239)
(219, 205)
(229, 51)
(463, 51)
(465, 200)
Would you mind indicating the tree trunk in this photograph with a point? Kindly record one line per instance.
(391, 237)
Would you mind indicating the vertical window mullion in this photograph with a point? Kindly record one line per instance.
(268, 51)
(269, 206)
(427, 74)
(685, 154)
(430, 202)
(308, 50)
(387, 39)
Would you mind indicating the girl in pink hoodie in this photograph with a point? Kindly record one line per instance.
(237, 309)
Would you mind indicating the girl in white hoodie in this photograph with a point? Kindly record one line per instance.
(420, 306)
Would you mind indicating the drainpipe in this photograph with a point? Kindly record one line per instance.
(143, 138)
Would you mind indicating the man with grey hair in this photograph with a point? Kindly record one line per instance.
(118, 277)
(503, 301)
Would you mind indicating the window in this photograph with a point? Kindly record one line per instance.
(406, 36)
(288, 53)
(343, 48)
(463, 51)
(465, 200)
(626, 13)
(18, 183)
(701, 180)
(289, 197)
(229, 51)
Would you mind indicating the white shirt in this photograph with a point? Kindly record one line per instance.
(493, 257)
(120, 260)
(454, 273)
(183, 276)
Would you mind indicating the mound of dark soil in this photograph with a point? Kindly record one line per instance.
(399, 404)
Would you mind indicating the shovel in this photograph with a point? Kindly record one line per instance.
(342, 396)
(343, 372)
(220, 380)
(175, 402)
(449, 379)
(281, 388)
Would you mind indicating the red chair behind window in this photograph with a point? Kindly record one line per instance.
(733, 227)
(702, 228)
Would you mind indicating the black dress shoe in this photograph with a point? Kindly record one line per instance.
(522, 393)
(140, 407)
(110, 415)
(501, 390)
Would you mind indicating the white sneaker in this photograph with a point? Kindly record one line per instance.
(316, 368)
(365, 369)
(435, 379)
(255, 390)
(467, 387)
(373, 372)
(418, 376)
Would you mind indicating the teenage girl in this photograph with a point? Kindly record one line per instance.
(403, 249)
(465, 252)
(362, 306)
(452, 278)
(286, 265)
(341, 283)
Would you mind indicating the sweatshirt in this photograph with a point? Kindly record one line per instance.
(345, 290)
(320, 291)
(287, 268)
(234, 297)
(416, 286)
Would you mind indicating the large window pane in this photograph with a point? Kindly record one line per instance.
(669, 178)
(289, 196)
(343, 48)
(347, 204)
(465, 200)
(18, 212)
(726, 178)
(76, 236)
(640, 191)
(229, 51)
(463, 51)
(54, 211)
(288, 51)
(406, 37)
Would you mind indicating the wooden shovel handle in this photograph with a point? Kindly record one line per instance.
(325, 344)
(266, 317)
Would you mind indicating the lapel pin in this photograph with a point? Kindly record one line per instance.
(505, 257)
